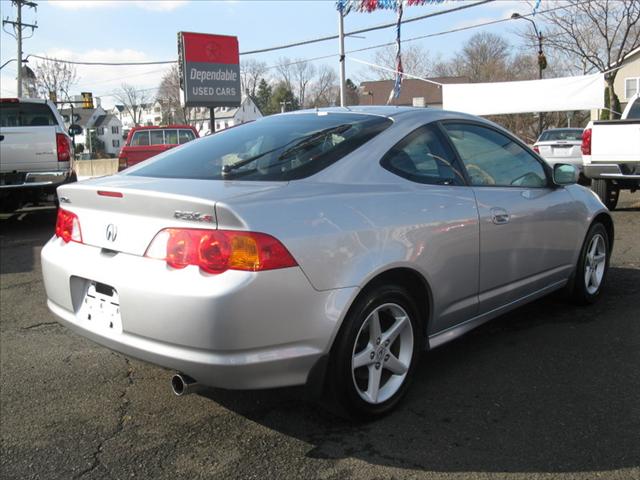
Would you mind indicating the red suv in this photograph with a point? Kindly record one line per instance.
(145, 142)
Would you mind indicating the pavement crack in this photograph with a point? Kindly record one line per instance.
(40, 325)
(123, 417)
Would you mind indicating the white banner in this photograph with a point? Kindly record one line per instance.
(548, 95)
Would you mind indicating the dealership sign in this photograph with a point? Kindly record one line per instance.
(209, 70)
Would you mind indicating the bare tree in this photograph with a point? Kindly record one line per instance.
(285, 71)
(303, 73)
(169, 98)
(251, 71)
(55, 77)
(483, 58)
(415, 60)
(322, 92)
(133, 100)
(597, 34)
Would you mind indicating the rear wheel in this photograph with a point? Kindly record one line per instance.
(593, 264)
(607, 191)
(373, 360)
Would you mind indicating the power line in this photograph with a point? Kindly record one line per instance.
(282, 47)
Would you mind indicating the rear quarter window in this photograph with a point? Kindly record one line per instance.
(26, 115)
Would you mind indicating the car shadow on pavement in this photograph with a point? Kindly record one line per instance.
(19, 238)
(549, 387)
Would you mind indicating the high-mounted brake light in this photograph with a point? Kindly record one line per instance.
(536, 149)
(106, 193)
(586, 142)
(68, 226)
(64, 147)
(216, 251)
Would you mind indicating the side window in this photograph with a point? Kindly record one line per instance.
(186, 136)
(157, 137)
(634, 111)
(423, 157)
(140, 139)
(171, 137)
(493, 159)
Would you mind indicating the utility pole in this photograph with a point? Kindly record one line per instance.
(18, 27)
(341, 50)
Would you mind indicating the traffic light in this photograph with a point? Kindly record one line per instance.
(87, 100)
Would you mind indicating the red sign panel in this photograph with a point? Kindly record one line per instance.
(201, 47)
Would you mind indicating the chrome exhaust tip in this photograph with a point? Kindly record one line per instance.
(182, 384)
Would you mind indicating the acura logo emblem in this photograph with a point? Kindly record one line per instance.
(112, 232)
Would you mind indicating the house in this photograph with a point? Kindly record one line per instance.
(414, 93)
(627, 82)
(150, 115)
(225, 117)
(95, 123)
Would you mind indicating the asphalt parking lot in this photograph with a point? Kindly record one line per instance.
(548, 391)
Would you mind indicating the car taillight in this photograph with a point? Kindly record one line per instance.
(586, 142)
(122, 161)
(63, 146)
(68, 226)
(216, 251)
(536, 149)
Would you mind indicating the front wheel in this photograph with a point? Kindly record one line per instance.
(593, 264)
(374, 357)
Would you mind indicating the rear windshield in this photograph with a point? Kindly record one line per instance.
(569, 135)
(282, 147)
(26, 115)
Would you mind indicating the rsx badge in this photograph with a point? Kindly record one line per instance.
(193, 216)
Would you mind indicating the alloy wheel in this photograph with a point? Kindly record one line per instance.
(595, 263)
(382, 353)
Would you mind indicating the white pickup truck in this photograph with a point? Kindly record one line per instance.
(35, 154)
(611, 154)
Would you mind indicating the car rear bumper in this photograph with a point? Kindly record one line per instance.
(22, 180)
(236, 330)
(613, 171)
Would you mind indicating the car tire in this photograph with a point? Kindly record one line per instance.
(593, 265)
(607, 192)
(372, 389)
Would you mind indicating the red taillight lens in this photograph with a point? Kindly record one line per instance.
(586, 142)
(68, 226)
(122, 162)
(64, 147)
(216, 251)
(536, 149)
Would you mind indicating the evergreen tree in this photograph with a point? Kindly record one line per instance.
(263, 97)
(283, 98)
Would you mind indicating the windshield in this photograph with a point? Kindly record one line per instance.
(282, 147)
(634, 111)
(574, 135)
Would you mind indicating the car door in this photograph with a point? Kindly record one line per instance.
(528, 226)
(441, 218)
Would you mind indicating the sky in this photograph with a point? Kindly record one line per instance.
(125, 31)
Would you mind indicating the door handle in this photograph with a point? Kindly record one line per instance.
(499, 216)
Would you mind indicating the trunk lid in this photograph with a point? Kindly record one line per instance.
(129, 222)
(559, 149)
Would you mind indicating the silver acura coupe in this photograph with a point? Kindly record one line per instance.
(325, 247)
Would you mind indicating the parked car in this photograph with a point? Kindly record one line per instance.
(145, 142)
(560, 145)
(611, 154)
(35, 154)
(324, 248)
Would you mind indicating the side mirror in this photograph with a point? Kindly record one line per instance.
(565, 174)
(75, 129)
